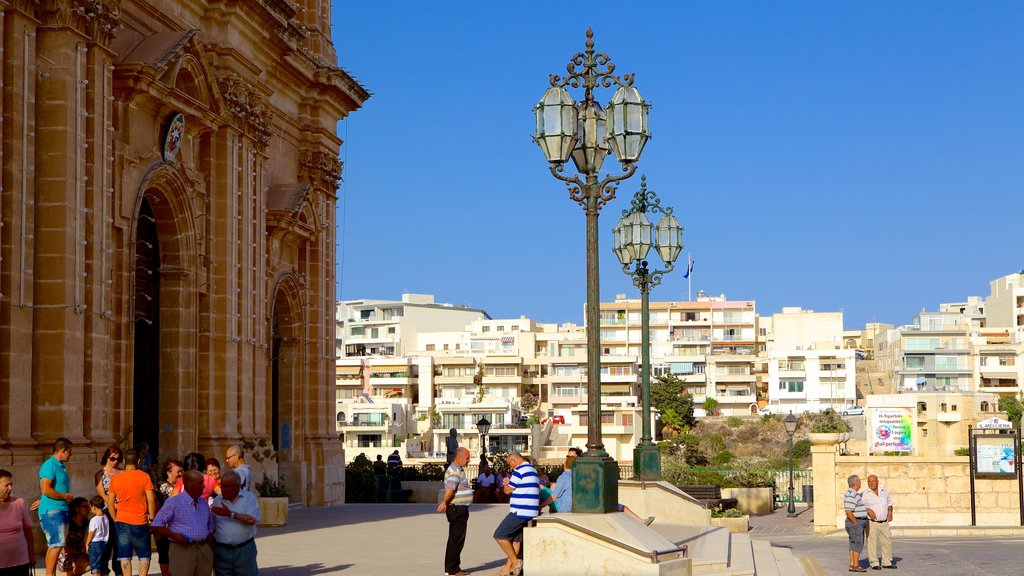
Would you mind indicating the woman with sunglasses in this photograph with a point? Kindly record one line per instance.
(112, 461)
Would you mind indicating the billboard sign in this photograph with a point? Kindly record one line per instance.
(891, 430)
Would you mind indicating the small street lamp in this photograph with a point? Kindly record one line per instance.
(586, 132)
(790, 422)
(483, 426)
(633, 240)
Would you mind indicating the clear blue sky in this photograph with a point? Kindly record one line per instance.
(857, 156)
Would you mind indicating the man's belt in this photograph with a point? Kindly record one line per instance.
(235, 546)
(879, 521)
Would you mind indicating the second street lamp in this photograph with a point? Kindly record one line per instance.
(483, 426)
(584, 131)
(632, 242)
(790, 423)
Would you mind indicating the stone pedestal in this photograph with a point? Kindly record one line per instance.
(647, 462)
(273, 511)
(823, 462)
(595, 485)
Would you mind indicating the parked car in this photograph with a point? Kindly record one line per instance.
(853, 411)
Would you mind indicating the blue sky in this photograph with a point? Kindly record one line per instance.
(857, 156)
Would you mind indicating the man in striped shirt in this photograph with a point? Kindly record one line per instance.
(856, 521)
(457, 498)
(524, 505)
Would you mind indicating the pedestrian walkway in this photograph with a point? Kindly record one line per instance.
(779, 522)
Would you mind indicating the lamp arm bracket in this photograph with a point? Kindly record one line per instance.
(606, 189)
(573, 183)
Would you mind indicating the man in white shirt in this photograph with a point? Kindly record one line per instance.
(879, 505)
(236, 513)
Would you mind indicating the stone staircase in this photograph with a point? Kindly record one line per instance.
(714, 551)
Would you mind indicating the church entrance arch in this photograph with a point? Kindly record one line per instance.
(163, 399)
(285, 380)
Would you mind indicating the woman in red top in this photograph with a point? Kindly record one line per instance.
(196, 461)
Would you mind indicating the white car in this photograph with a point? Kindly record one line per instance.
(853, 411)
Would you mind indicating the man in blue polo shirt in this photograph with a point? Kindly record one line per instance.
(55, 489)
(524, 504)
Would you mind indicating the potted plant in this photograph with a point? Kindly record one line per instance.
(273, 496)
(732, 519)
(828, 427)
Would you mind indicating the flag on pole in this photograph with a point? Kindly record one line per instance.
(689, 268)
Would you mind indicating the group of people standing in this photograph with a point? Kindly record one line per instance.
(204, 522)
(868, 514)
(527, 495)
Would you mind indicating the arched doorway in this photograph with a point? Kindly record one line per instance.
(285, 382)
(146, 373)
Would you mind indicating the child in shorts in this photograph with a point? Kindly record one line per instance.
(96, 539)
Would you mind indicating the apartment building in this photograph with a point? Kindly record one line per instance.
(389, 327)
(997, 356)
(711, 344)
(1005, 306)
(374, 401)
(930, 355)
(810, 363)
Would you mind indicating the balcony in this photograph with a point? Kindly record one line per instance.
(948, 417)
(613, 321)
(729, 377)
(999, 385)
(738, 399)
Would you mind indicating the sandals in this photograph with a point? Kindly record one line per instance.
(857, 569)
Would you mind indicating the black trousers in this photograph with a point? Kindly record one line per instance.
(458, 518)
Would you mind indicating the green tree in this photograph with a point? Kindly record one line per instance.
(1013, 407)
(710, 406)
(669, 396)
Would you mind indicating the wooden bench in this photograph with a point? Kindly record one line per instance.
(710, 495)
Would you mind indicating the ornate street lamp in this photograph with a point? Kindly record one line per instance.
(790, 422)
(633, 240)
(585, 132)
(483, 426)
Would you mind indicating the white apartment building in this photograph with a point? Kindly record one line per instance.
(374, 403)
(997, 355)
(389, 327)
(1004, 308)
(711, 344)
(930, 355)
(810, 366)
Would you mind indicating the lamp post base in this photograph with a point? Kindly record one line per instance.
(595, 485)
(647, 461)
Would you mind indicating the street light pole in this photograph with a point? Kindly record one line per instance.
(584, 132)
(790, 422)
(633, 241)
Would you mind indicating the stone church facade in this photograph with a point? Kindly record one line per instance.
(170, 175)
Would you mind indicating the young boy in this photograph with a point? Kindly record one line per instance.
(96, 539)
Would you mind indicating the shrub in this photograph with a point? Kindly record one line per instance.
(360, 482)
(753, 475)
(962, 451)
(801, 449)
(717, 512)
(676, 471)
(722, 458)
(829, 421)
(431, 471)
(734, 421)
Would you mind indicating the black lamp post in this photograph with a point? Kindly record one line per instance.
(634, 238)
(483, 426)
(790, 422)
(584, 132)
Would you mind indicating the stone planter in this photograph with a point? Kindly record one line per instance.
(752, 500)
(423, 491)
(734, 525)
(824, 438)
(273, 511)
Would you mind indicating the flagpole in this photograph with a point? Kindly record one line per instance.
(689, 274)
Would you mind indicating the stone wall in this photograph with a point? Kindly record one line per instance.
(926, 491)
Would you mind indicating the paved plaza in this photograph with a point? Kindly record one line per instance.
(356, 539)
